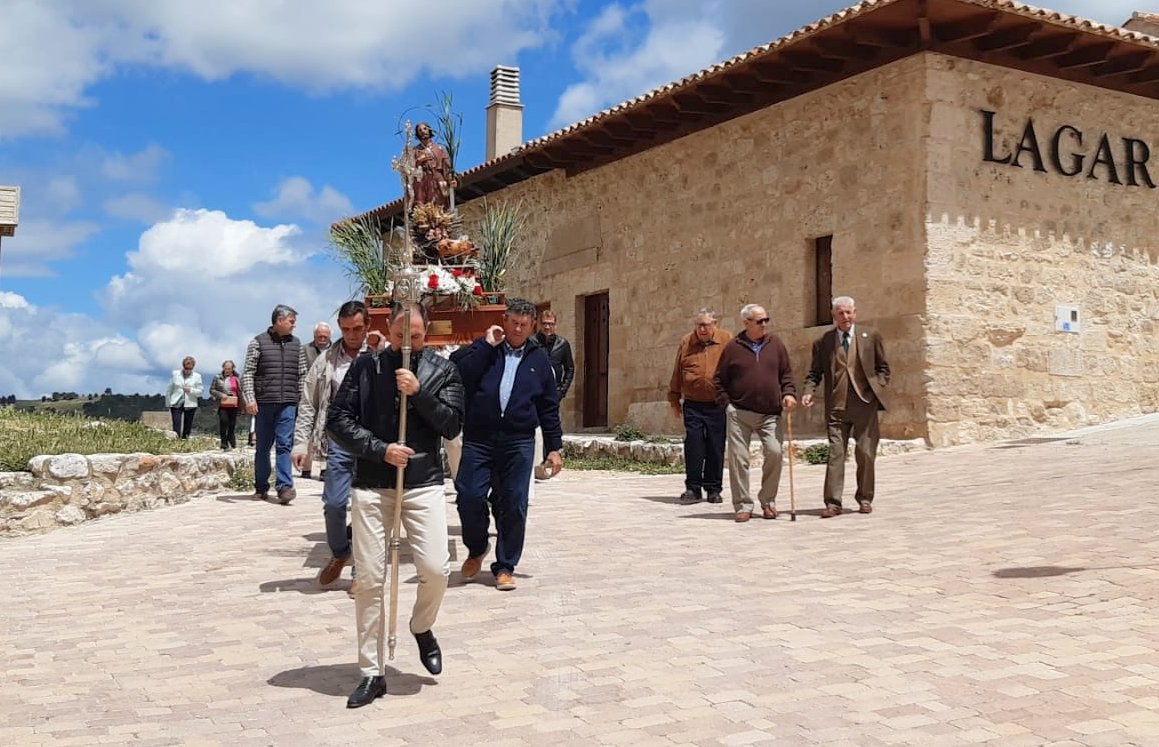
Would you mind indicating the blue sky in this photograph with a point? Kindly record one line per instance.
(180, 161)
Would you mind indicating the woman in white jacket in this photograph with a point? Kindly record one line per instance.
(184, 389)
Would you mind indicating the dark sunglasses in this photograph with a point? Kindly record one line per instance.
(760, 321)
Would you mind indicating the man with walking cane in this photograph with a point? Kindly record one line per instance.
(851, 359)
(392, 412)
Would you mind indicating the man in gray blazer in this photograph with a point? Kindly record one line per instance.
(851, 360)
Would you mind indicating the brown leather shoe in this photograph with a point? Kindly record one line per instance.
(742, 516)
(865, 508)
(769, 512)
(473, 564)
(504, 581)
(830, 512)
(332, 570)
(260, 495)
(285, 495)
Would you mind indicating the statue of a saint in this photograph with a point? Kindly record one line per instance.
(433, 185)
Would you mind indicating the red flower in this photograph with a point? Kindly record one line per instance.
(457, 272)
(477, 290)
(433, 281)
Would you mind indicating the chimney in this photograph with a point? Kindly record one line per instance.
(1141, 21)
(504, 113)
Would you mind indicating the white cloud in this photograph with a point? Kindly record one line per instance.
(320, 47)
(140, 167)
(13, 301)
(295, 199)
(137, 206)
(627, 51)
(38, 243)
(200, 283)
(210, 244)
(63, 192)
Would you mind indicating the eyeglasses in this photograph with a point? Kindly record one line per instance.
(760, 321)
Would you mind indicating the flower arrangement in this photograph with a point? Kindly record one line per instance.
(460, 283)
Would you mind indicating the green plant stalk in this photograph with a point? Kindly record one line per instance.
(358, 244)
(499, 231)
(450, 125)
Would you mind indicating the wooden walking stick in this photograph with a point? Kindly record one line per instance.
(792, 496)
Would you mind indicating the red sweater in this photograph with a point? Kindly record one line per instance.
(754, 380)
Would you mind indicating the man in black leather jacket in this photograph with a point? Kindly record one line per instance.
(363, 419)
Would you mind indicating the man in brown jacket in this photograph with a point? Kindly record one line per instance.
(704, 420)
(755, 380)
(851, 359)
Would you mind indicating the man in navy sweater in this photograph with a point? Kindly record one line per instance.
(510, 391)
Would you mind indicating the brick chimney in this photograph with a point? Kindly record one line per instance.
(504, 113)
(1143, 22)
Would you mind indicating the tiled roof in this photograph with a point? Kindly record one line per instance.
(1044, 16)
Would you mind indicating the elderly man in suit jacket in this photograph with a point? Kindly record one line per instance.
(851, 360)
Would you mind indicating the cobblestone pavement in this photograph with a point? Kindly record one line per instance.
(1003, 595)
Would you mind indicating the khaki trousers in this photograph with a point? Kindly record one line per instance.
(424, 516)
(858, 419)
(454, 447)
(742, 424)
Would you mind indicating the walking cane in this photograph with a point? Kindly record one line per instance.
(792, 495)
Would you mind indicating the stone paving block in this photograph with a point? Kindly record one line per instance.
(920, 624)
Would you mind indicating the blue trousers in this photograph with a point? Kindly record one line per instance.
(182, 420)
(275, 429)
(336, 498)
(495, 473)
(704, 424)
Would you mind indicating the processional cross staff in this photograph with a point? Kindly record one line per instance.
(406, 290)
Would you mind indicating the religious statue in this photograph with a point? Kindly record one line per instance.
(432, 185)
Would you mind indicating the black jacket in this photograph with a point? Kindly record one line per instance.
(562, 363)
(363, 417)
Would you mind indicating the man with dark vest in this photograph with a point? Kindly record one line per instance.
(851, 359)
(275, 365)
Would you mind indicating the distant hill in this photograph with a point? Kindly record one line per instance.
(126, 407)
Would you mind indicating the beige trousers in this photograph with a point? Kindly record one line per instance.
(454, 447)
(742, 424)
(424, 517)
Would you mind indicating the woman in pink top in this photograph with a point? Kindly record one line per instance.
(226, 390)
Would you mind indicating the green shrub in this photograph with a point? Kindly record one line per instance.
(243, 476)
(24, 435)
(629, 432)
(817, 454)
(574, 459)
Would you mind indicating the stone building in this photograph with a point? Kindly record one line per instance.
(980, 175)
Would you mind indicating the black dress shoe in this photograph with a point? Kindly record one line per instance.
(715, 498)
(367, 691)
(429, 652)
(690, 496)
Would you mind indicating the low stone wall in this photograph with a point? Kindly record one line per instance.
(68, 489)
(673, 453)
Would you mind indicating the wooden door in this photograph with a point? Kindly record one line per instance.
(595, 383)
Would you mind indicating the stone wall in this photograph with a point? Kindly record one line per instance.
(68, 489)
(728, 216)
(1007, 245)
